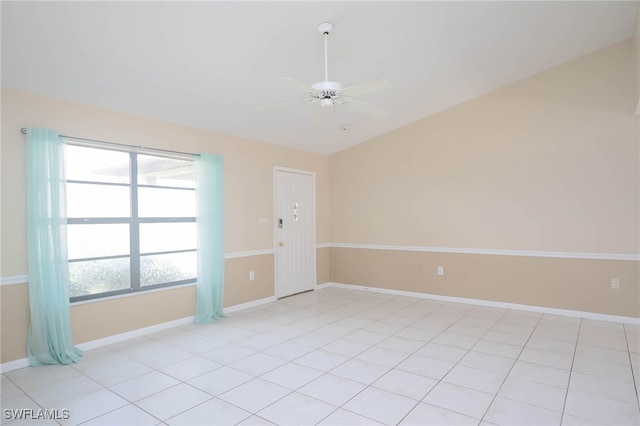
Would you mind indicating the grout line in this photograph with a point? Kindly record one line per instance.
(511, 369)
(573, 360)
(636, 382)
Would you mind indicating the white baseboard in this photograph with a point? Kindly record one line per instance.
(251, 304)
(109, 340)
(14, 365)
(491, 303)
(116, 338)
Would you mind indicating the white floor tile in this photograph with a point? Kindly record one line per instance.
(170, 402)
(255, 395)
(406, 384)
(385, 407)
(100, 358)
(34, 378)
(129, 415)
(346, 347)
(367, 337)
(18, 402)
(462, 400)
(427, 367)
(496, 348)
(602, 354)
(440, 352)
(212, 412)
(144, 385)
(427, 414)
(9, 389)
(155, 354)
(257, 364)
(297, 409)
(64, 391)
(288, 351)
(193, 343)
(108, 376)
(259, 342)
(360, 371)
(255, 421)
(291, 375)
(228, 354)
(569, 420)
(551, 345)
(190, 368)
(220, 380)
(401, 344)
(332, 389)
(383, 356)
(417, 334)
(551, 359)
(508, 338)
(383, 327)
(533, 393)
(321, 360)
(90, 406)
(541, 373)
(455, 340)
(617, 372)
(602, 387)
(342, 417)
(601, 410)
(492, 363)
(313, 340)
(474, 378)
(506, 412)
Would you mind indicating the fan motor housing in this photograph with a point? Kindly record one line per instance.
(327, 86)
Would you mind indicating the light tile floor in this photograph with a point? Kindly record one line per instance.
(344, 357)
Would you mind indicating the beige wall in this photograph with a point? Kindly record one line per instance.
(550, 163)
(636, 51)
(574, 284)
(249, 168)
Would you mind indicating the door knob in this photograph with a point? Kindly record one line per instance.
(280, 244)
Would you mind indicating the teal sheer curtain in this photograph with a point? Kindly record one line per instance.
(210, 228)
(49, 339)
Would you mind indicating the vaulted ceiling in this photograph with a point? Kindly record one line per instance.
(211, 65)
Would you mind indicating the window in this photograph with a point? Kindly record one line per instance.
(131, 221)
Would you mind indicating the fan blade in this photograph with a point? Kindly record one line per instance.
(367, 87)
(297, 84)
(366, 108)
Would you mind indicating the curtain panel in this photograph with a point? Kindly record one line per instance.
(49, 338)
(210, 229)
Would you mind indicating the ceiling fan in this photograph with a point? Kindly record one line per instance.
(327, 94)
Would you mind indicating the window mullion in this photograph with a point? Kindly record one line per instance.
(135, 224)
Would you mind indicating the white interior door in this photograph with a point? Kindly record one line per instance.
(295, 231)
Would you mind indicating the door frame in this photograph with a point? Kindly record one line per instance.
(277, 169)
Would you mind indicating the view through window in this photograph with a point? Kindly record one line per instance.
(131, 221)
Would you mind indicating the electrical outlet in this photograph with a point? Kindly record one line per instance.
(440, 270)
(615, 283)
(252, 275)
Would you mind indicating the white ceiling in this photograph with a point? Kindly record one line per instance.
(211, 64)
